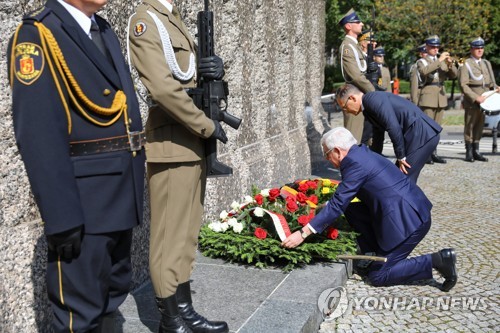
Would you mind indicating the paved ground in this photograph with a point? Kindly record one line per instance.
(465, 216)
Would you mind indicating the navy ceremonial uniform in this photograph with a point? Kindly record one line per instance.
(76, 157)
(393, 216)
(414, 135)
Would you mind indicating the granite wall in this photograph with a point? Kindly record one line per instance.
(273, 54)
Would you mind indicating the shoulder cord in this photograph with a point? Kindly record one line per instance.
(52, 53)
(475, 78)
(424, 81)
(170, 55)
(356, 54)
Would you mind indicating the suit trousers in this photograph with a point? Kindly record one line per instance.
(419, 156)
(177, 193)
(474, 123)
(92, 285)
(399, 269)
(354, 124)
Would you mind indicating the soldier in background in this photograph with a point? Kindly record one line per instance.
(365, 39)
(475, 77)
(415, 79)
(354, 67)
(384, 81)
(434, 71)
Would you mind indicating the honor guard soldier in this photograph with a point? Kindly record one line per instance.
(164, 54)
(434, 71)
(476, 77)
(354, 67)
(385, 75)
(79, 132)
(415, 78)
(365, 39)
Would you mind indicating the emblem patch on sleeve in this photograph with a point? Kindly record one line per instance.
(29, 62)
(140, 28)
(346, 51)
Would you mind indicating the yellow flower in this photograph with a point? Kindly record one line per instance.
(325, 190)
(327, 182)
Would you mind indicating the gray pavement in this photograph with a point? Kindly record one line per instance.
(464, 217)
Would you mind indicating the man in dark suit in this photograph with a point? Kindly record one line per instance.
(392, 217)
(78, 129)
(413, 134)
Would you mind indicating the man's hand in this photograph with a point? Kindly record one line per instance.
(67, 244)
(372, 67)
(403, 165)
(211, 68)
(293, 240)
(219, 132)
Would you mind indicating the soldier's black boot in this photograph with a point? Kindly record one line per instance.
(436, 158)
(468, 152)
(171, 320)
(195, 321)
(477, 155)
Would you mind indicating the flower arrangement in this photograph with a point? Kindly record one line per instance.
(251, 232)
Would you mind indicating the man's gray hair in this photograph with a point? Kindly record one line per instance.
(339, 137)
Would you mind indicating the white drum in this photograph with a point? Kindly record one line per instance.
(491, 106)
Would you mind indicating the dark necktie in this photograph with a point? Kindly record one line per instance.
(95, 33)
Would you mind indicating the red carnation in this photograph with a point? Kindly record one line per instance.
(273, 194)
(260, 233)
(303, 220)
(259, 199)
(301, 197)
(291, 205)
(332, 233)
(303, 187)
(313, 199)
(312, 184)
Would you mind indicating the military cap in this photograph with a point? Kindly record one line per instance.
(365, 35)
(421, 49)
(350, 17)
(433, 41)
(379, 51)
(477, 42)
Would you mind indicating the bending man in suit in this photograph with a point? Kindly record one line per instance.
(164, 53)
(393, 216)
(74, 127)
(413, 134)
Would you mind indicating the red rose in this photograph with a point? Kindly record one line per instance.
(260, 233)
(273, 194)
(303, 220)
(303, 187)
(301, 197)
(312, 184)
(313, 199)
(332, 233)
(291, 205)
(259, 199)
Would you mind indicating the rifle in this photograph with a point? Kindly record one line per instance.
(214, 94)
(372, 75)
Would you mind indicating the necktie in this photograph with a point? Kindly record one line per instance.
(95, 33)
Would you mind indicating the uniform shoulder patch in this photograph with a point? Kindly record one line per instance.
(346, 51)
(140, 28)
(29, 62)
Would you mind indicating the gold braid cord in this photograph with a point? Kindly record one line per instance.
(52, 53)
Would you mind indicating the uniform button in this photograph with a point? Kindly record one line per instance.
(106, 92)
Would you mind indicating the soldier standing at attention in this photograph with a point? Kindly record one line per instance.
(475, 77)
(164, 54)
(415, 79)
(354, 66)
(79, 131)
(434, 72)
(384, 81)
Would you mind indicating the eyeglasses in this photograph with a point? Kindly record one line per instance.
(325, 154)
(345, 104)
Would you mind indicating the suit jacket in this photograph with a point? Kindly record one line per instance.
(471, 87)
(176, 128)
(433, 74)
(102, 191)
(408, 127)
(396, 205)
(352, 58)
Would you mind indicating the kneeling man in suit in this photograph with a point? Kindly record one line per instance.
(393, 216)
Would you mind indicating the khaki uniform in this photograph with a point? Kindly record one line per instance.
(385, 78)
(175, 133)
(474, 79)
(414, 84)
(433, 99)
(353, 65)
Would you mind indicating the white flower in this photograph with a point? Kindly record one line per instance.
(248, 199)
(215, 226)
(238, 227)
(258, 212)
(223, 215)
(235, 206)
(224, 226)
(265, 193)
(232, 221)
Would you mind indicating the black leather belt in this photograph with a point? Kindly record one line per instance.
(132, 142)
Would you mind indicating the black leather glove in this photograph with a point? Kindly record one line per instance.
(372, 67)
(66, 244)
(211, 68)
(219, 133)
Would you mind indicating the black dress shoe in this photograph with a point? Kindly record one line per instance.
(437, 159)
(429, 161)
(448, 269)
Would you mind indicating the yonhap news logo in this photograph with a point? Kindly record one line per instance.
(335, 302)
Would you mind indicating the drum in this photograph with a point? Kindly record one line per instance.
(491, 106)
